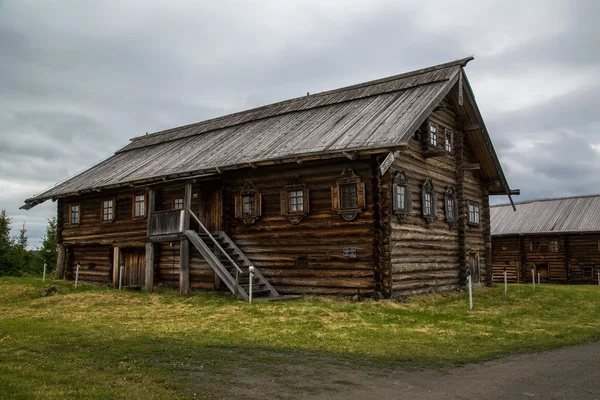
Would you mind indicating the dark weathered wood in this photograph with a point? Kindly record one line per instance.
(115, 266)
(487, 237)
(187, 201)
(151, 196)
(435, 153)
(149, 266)
(184, 267)
(459, 155)
(471, 166)
(60, 262)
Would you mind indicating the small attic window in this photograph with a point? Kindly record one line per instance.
(449, 141)
(433, 134)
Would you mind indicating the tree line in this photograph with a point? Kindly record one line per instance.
(15, 257)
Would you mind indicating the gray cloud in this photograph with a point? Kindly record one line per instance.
(79, 78)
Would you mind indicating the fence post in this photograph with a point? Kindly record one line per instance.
(533, 277)
(77, 275)
(121, 275)
(505, 283)
(469, 282)
(251, 270)
(44, 275)
(539, 280)
(598, 277)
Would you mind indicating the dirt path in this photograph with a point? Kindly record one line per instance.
(571, 373)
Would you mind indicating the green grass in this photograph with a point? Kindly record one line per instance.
(101, 343)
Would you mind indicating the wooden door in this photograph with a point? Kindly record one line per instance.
(542, 269)
(134, 268)
(213, 210)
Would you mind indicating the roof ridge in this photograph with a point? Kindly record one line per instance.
(460, 62)
(585, 196)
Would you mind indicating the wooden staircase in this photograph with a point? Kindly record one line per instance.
(230, 264)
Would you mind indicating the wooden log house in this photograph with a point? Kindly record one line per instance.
(559, 239)
(380, 188)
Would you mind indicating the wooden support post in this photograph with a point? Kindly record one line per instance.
(187, 202)
(67, 274)
(184, 268)
(60, 262)
(116, 266)
(149, 281)
(523, 255)
(151, 205)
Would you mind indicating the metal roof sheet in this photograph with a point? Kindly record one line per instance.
(561, 215)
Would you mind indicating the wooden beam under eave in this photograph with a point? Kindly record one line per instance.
(471, 128)
(434, 153)
(471, 166)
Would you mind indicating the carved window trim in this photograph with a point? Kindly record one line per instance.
(474, 213)
(77, 213)
(251, 196)
(108, 211)
(450, 206)
(428, 201)
(348, 177)
(287, 203)
(402, 195)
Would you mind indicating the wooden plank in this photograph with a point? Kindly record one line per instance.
(60, 263)
(149, 279)
(184, 267)
(116, 265)
(187, 201)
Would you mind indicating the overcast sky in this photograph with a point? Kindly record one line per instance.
(79, 78)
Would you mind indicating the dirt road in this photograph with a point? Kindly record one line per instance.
(571, 373)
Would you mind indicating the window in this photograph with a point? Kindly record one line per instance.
(554, 245)
(178, 204)
(433, 135)
(139, 206)
(294, 200)
(74, 214)
(474, 213)
(429, 201)
(108, 210)
(587, 271)
(348, 195)
(248, 204)
(451, 206)
(535, 245)
(448, 141)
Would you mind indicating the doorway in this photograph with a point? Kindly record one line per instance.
(134, 268)
(211, 209)
(542, 269)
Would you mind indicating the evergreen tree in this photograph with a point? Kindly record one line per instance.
(6, 245)
(49, 250)
(21, 256)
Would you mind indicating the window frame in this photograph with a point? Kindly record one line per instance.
(252, 192)
(177, 200)
(400, 182)
(535, 246)
(298, 187)
(428, 197)
(451, 211)
(448, 144)
(433, 135)
(78, 205)
(553, 246)
(135, 202)
(113, 209)
(348, 177)
(476, 212)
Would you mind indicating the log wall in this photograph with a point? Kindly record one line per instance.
(307, 257)
(429, 257)
(95, 263)
(506, 253)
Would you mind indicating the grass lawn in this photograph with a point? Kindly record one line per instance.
(101, 343)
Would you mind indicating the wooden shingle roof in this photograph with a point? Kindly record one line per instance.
(560, 215)
(379, 114)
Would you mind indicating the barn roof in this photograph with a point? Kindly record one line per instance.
(560, 215)
(371, 116)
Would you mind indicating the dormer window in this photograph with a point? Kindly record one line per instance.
(248, 204)
(451, 206)
(402, 195)
(348, 196)
(433, 135)
(429, 201)
(449, 140)
(294, 200)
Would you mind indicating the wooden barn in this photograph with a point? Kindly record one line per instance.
(557, 238)
(380, 188)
